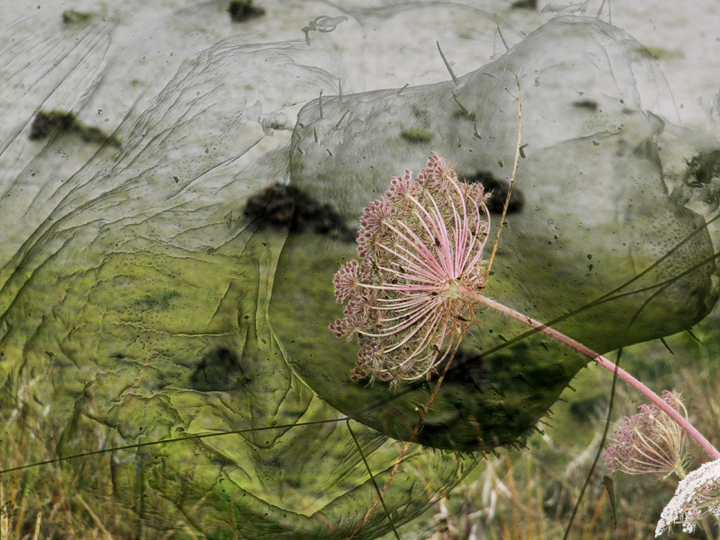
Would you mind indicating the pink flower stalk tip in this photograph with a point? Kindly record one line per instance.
(650, 442)
(419, 247)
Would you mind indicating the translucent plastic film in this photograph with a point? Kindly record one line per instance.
(179, 185)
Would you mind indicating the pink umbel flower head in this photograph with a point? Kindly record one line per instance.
(650, 442)
(420, 247)
(697, 497)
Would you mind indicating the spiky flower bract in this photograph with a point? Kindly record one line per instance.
(419, 247)
(650, 442)
(697, 497)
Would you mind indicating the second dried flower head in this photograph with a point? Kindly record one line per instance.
(650, 442)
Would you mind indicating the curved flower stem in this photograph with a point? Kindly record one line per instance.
(604, 362)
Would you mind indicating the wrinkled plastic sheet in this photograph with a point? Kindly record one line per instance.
(140, 303)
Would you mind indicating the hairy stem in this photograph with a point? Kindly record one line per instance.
(604, 362)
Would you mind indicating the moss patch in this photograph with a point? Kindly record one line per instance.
(660, 53)
(76, 17)
(417, 135)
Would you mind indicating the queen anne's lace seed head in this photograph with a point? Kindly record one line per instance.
(419, 247)
(697, 497)
(650, 442)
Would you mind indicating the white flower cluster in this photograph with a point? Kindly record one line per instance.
(697, 496)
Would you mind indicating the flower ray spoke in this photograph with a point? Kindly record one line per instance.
(460, 231)
(394, 287)
(476, 259)
(444, 239)
(401, 306)
(427, 271)
(438, 226)
(404, 275)
(440, 234)
(409, 297)
(393, 330)
(424, 342)
(423, 256)
(404, 315)
(432, 331)
(413, 332)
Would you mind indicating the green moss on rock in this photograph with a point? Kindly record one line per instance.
(417, 135)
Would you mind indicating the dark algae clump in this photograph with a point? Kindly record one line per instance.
(705, 166)
(499, 190)
(287, 206)
(47, 123)
(244, 10)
